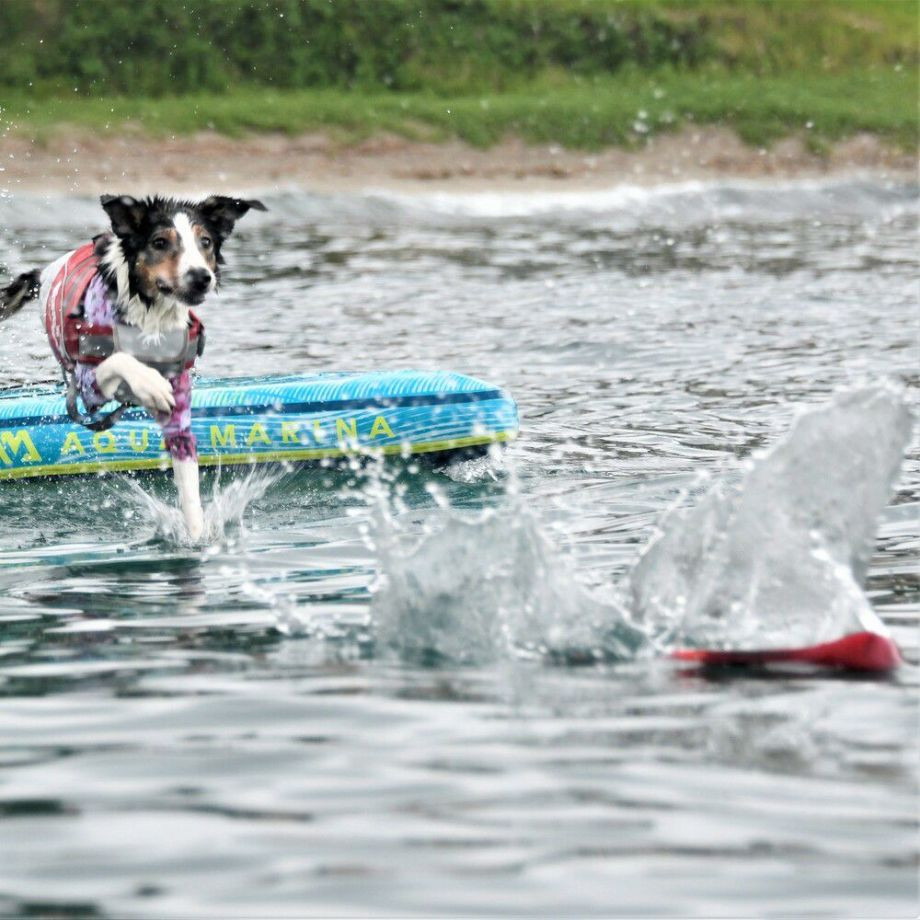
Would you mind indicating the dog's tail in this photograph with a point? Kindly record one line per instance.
(15, 295)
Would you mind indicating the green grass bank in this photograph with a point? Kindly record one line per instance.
(617, 111)
(583, 73)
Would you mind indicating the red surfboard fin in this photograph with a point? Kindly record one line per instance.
(862, 651)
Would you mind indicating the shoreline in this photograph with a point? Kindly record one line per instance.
(77, 162)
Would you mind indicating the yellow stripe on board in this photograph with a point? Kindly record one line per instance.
(274, 456)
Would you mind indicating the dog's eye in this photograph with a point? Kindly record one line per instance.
(206, 242)
(160, 243)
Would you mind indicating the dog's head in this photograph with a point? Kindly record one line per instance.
(172, 248)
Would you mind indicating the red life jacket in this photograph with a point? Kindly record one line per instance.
(72, 338)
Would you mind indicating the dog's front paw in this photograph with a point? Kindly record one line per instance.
(194, 523)
(149, 388)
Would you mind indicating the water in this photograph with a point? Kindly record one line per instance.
(418, 693)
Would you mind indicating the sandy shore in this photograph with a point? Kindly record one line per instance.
(87, 164)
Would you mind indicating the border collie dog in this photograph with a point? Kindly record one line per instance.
(119, 320)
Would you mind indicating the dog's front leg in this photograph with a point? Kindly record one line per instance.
(155, 393)
(147, 385)
(185, 474)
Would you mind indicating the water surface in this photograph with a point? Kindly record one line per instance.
(239, 731)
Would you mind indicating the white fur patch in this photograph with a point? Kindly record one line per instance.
(114, 260)
(163, 314)
(191, 256)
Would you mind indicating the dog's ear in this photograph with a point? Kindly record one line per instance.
(126, 213)
(222, 212)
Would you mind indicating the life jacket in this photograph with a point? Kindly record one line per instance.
(73, 339)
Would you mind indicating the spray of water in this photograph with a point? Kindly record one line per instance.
(777, 558)
(490, 586)
(472, 587)
(223, 509)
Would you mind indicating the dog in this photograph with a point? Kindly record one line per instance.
(119, 319)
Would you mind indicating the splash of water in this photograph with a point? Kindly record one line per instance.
(488, 468)
(779, 558)
(475, 587)
(492, 586)
(225, 509)
(775, 559)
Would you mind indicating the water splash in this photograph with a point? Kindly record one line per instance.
(779, 557)
(490, 586)
(775, 559)
(225, 508)
(488, 468)
(473, 587)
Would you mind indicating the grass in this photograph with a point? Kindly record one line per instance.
(589, 114)
(581, 73)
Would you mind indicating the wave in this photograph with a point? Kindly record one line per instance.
(675, 204)
(695, 201)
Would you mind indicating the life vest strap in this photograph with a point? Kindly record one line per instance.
(92, 344)
(95, 422)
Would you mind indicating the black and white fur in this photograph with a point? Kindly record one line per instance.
(162, 257)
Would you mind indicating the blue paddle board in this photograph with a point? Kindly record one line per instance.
(276, 419)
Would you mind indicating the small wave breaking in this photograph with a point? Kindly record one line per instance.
(688, 203)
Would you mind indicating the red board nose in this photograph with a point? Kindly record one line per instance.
(862, 651)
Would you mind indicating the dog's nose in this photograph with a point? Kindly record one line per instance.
(198, 279)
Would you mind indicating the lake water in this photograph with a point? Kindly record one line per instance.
(315, 714)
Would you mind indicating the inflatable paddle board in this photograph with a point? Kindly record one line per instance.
(249, 420)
